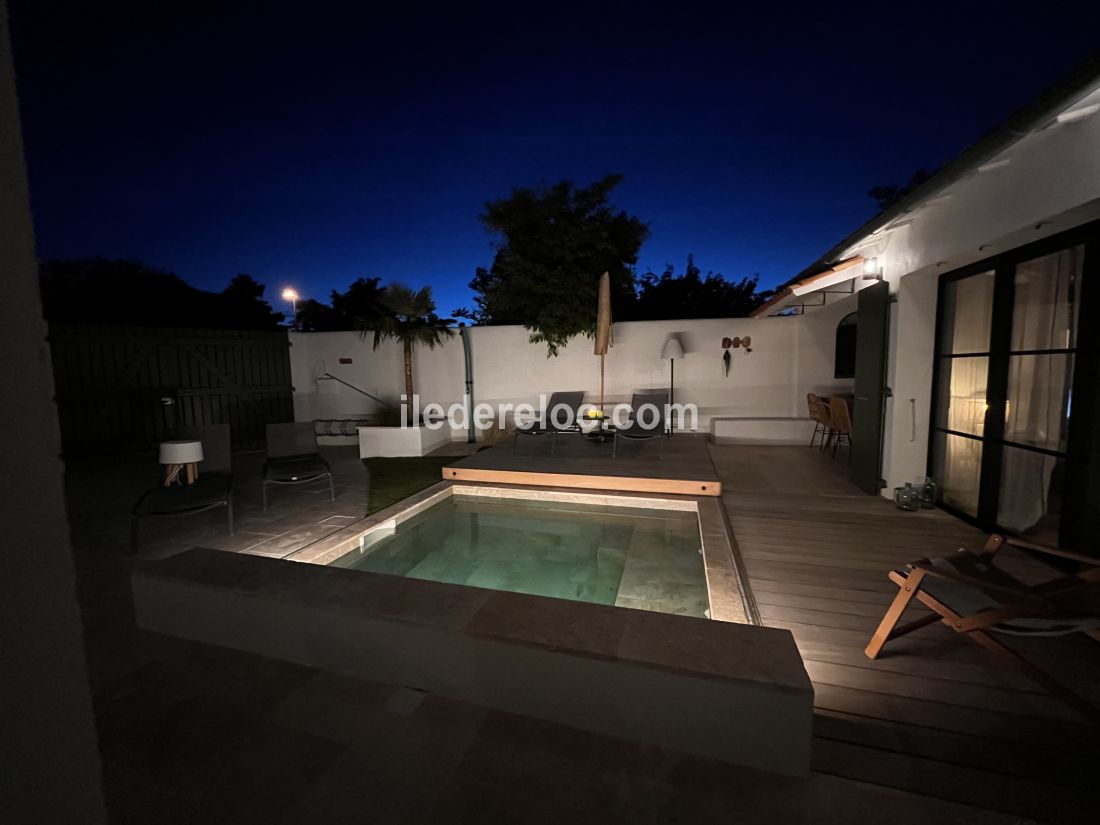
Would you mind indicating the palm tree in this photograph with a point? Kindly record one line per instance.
(409, 318)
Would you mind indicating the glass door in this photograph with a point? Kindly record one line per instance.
(1040, 362)
(966, 306)
(1006, 360)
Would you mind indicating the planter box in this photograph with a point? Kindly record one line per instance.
(400, 441)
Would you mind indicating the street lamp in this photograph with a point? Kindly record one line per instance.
(291, 294)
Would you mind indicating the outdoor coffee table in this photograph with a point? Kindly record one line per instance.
(603, 432)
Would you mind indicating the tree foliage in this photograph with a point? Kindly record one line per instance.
(358, 307)
(887, 194)
(409, 318)
(131, 293)
(669, 296)
(554, 243)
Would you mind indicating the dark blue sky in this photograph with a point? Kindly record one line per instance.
(316, 143)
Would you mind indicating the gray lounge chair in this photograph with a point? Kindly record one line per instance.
(293, 457)
(644, 422)
(212, 489)
(568, 405)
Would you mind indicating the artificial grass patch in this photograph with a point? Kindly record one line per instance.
(392, 479)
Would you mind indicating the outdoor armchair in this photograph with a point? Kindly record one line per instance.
(212, 489)
(970, 594)
(561, 415)
(293, 457)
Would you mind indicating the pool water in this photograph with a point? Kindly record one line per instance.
(641, 558)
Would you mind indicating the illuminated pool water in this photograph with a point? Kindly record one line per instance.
(641, 558)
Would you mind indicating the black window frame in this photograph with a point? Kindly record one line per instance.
(1080, 516)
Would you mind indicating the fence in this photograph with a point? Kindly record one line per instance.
(121, 390)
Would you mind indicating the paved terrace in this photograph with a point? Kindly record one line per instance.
(937, 731)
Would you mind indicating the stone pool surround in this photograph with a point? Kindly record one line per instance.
(722, 690)
(730, 599)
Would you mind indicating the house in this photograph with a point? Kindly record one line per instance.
(976, 363)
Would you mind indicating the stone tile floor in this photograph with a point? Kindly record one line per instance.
(201, 734)
(192, 733)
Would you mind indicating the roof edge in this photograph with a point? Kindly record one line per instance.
(788, 290)
(1068, 89)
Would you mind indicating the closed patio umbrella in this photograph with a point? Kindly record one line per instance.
(603, 326)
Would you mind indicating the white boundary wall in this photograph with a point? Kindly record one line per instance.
(789, 357)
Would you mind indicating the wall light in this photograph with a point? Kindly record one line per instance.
(872, 271)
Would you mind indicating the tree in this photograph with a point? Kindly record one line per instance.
(555, 242)
(887, 194)
(243, 305)
(669, 296)
(129, 292)
(358, 307)
(314, 316)
(362, 302)
(409, 319)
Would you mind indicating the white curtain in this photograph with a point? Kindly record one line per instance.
(1044, 318)
(970, 315)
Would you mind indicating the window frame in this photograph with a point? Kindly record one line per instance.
(1082, 478)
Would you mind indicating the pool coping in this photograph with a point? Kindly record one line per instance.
(727, 589)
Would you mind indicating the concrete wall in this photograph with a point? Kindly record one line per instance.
(51, 768)
(788, 356)
(721, 690)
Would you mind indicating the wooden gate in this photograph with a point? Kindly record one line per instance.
(121, 390)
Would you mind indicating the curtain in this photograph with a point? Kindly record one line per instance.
(968, 317)
(1044, 318)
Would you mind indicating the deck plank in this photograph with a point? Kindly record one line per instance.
(936, 714)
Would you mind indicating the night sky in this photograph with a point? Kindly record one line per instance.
(316, 143)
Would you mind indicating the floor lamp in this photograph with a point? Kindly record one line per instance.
(672, 350)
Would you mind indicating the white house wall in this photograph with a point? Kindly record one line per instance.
(1051, 183)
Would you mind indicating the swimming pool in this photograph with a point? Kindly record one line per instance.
(672, 554)
(643, 558)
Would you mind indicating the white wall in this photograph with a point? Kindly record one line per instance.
(816, 335)
(510, 369)
(1051, 183)
(438, 374)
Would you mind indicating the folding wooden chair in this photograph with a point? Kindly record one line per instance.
(969, 594)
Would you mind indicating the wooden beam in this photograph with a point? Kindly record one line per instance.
(788, 290)
(631, 484)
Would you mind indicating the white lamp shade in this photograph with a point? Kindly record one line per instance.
(180, 452)
(672, 348)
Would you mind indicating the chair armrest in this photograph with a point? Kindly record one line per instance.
(1052, 551)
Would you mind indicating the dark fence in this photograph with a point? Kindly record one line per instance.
(121, 390)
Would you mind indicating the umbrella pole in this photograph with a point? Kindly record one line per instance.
(601, 383)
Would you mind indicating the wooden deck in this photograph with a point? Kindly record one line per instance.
(935, 714)
(679, 465)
